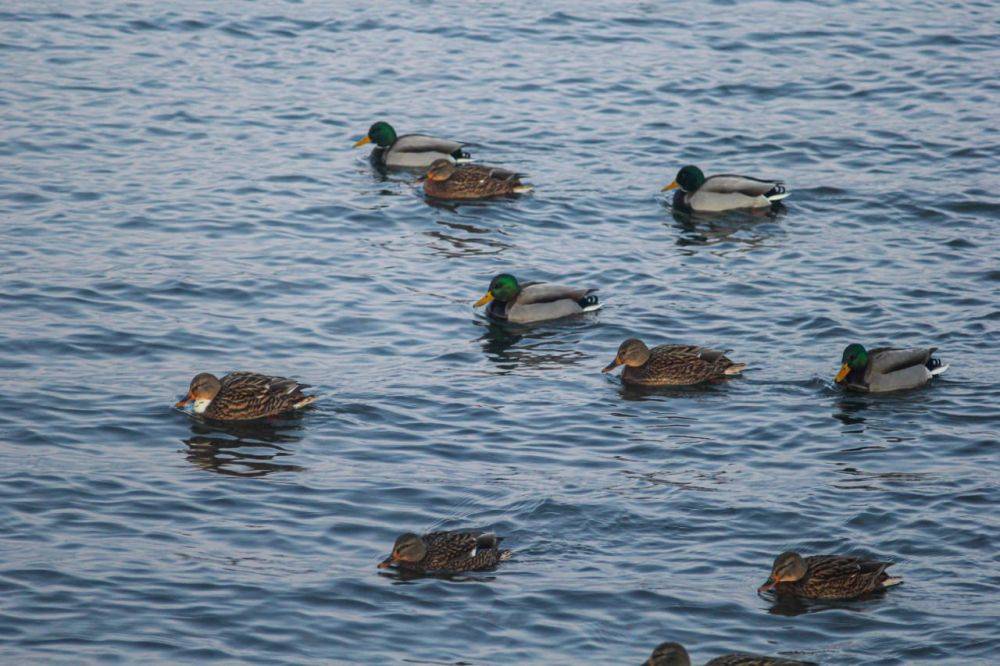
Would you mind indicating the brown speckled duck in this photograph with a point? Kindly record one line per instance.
(446, 552)
(445, 180)
(241, 396)
(674, 654)
(671, 365)
(830, 577)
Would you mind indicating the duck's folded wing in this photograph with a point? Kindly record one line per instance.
(421, 143)
(451, 545)
(548, 293)
(886, 360)
(733, 184)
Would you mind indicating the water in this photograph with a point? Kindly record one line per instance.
(180, 195)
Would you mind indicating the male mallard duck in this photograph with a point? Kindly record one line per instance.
(445, 180)
(524, 304)
(674, 654)
(723, 192)
(827, 576)
(240, 396)
(887, 369)
(442, 552)
(410, 151)
(671, 365)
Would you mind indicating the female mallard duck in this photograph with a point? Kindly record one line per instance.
(674, 654)
(525, 304)
(241, 396)
(445, 180)
(671, 365)
(887, 369)
(410, 151)
(446, 552)
(827, 576)
(723, 192)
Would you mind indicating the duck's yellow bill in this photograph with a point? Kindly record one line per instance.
(671, 186)
(484, 300)
(844, 371)
(361, 142)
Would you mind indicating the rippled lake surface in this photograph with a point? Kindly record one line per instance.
(179, 194)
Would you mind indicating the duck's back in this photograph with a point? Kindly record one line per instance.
(680, 365)
(419, 150)
(249, 395)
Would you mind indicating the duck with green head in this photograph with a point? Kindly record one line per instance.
(887, 369)
(715, 194)
(674, 654)
(409, 151)
(509, 300)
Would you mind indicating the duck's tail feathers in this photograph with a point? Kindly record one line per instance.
(889, 582)
(461, 157)
(589, 303)
(308, 400)
(505, 555)
(523, 189)
(735, 369)
(935, 366)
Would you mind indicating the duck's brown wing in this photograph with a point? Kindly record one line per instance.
(249, 395)
(483, 180)
(548, 293)
(840, 577)
(462, 551)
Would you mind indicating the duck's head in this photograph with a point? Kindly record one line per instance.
(380, 133)
(788, 568)
(855, 357)
(503, 288)
(669, 654)
(633, 353)
(689, 179)
(408, 549)
(441, 169)
(204, 387)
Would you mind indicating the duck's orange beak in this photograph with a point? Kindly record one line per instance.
(844, 371)
(186, 401)
(361, 142)
(769, 585)
(671, 186)
(484, 300)
(386, 563)
(611, 366)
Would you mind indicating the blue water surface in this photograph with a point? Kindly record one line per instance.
(178, 194)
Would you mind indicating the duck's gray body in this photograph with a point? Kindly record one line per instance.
(416, 151)
(730, 192)
(540, 302)
(891, 369)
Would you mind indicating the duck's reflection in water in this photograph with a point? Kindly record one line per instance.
(248, 450)
(740, 226)
(499, 339)
(790, 606)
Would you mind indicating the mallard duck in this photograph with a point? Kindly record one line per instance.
(446, 552)
(723, 192)
(445, 180)
(410, 151)
(827, 576)
(887, 369)
(240, 396)
(671, 365)
(674, 654)
(532, 302)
